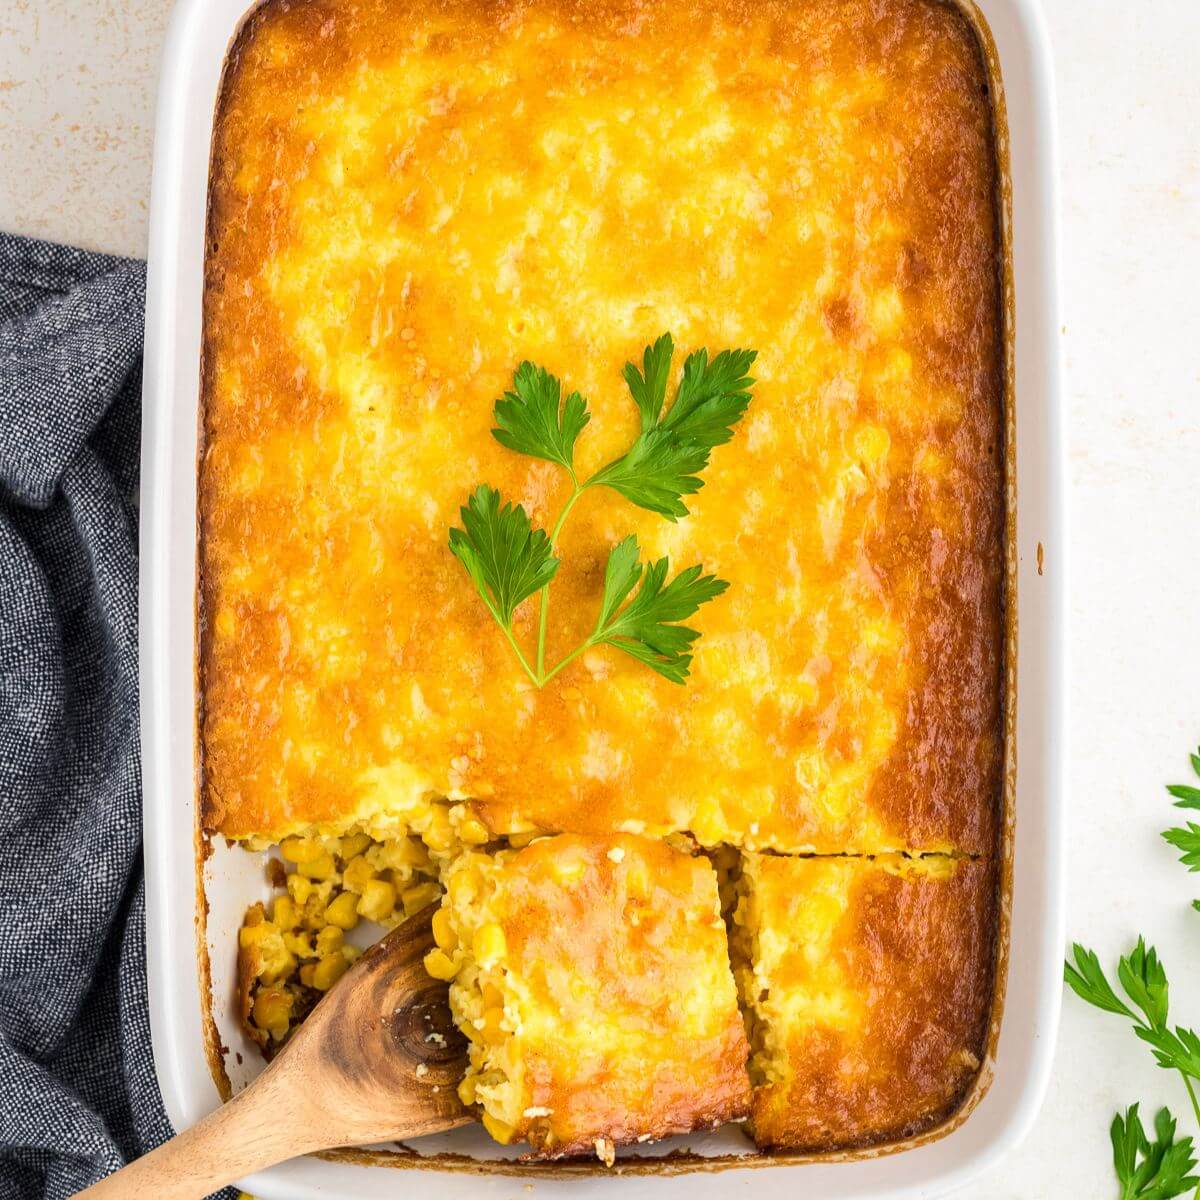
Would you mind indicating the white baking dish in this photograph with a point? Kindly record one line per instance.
(1015, 1076)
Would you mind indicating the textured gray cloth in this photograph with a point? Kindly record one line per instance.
(78, 1095)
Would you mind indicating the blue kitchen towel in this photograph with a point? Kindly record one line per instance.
(78, 1095)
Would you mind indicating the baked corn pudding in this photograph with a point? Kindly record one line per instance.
(438, 230)
(592, 977)
(293, 949)
(866, 984)
(405, 204)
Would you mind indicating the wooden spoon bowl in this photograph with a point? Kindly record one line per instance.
(378, 1059)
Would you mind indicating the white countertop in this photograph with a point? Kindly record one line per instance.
(77, 82)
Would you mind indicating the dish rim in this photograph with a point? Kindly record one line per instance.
(171, 394)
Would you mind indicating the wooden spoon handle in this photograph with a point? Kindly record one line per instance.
(254, 1130)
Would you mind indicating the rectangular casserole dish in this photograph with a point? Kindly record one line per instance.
(190, 1048)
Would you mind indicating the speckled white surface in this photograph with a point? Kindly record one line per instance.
(77, 84)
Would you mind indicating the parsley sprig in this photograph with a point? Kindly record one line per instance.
(641, 613)
(1151, 1170)
(1186, 838)
(1160, 1169)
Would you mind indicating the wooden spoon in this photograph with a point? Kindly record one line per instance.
(377, 1060)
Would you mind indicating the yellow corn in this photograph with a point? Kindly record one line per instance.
(488, 944)
(440, 965)
(300, 850)
(439, 835)
(354, 844)
(300, 944)
(378, 900)
(466, 1090)
(357, 873)
(328, 971)
(492, 1018)
(443, 930)
(306, 973)
(320, 867)
(418, 896)
(329, 939)
(343, 911)
(299, 887)
(283, 912)
(472, 830)
(399, 854)
(500, 1130)
(272, 1011)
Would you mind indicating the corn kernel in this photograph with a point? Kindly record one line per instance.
(300, 850)
(492, 1021)
(378, 900)
(306, 973)
(299, 887)
(500, 1130)
(418, 896)
(357, 874)
(351, 954)
(329, 939)
(272, 1011)
(328, 971)
(314, 913)
(488, 944)
(439, 964)
(320, 867)
(353, 844)
(284, 913)
(466, 1090)
(443, 930)
(439, 835)
(493, 997)
(473, 831)
(402, 854)
(343, 911)
(300, 944)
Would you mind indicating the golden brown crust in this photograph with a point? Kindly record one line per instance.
(404, 204)
(877, 1033)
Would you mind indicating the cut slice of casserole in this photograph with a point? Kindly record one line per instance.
(592, 976)
(867, 985)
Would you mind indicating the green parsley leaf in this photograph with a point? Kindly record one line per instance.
(1087, 980)
(712, 397)
(1145, 982)
(1188, 797)
(664, 463)
(1148, 1170)
(534, 419)
(658, 469)
(1186, 838)
(1187, 841)
(649, 386)
(1178, 1051)
(647, 627)
(507, 559)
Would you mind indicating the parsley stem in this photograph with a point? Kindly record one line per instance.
(512, 641)
(570, 658)
(544, 596)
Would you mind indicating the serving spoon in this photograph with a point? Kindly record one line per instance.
(378, 1059)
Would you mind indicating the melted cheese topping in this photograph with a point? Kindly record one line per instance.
(410, 199)
(592, 976)
(866, 984)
